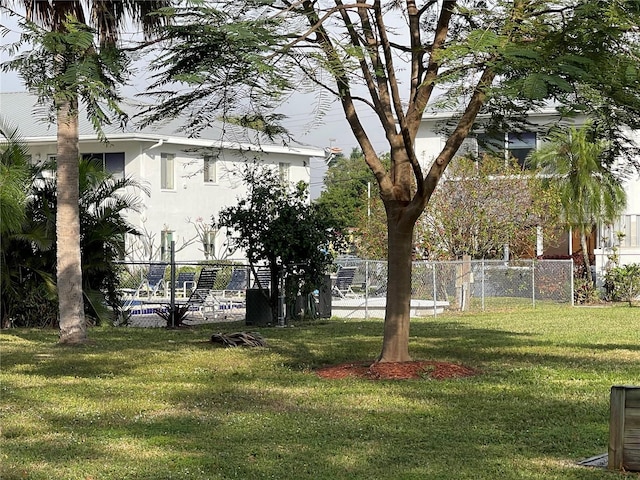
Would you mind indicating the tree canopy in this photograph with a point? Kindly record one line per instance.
(347, 182)
(276, 225)
(395, 60)
(574, 163)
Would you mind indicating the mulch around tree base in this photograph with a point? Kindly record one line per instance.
(396, 371)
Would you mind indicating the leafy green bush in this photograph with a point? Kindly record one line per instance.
(623, 283)
(29, 256)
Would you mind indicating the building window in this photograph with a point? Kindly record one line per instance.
(631, 229)
(490, 144)
(516, 145)
(210, 164)
(520, 145)
(284, 169)
(166, 237)
(112, 163)
(167, 161)
(48, 173)
(209, 244)
(625, 232)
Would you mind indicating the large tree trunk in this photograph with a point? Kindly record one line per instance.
(69, 271)
(395, 344)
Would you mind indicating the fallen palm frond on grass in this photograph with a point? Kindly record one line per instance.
(148, 404)
(239, 339)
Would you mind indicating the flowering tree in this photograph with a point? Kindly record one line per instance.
(484, 205)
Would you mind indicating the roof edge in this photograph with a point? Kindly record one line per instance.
(188, 142)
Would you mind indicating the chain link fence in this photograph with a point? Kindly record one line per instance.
(475, 285)
(147, 293)
(437, 287)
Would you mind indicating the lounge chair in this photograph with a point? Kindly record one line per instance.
(154, 282)
(202, 298)
(344, 279)
(263, 278)
(149, 287)
(237, 283)
(185, 283)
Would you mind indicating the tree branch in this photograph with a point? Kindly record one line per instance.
(344, 93)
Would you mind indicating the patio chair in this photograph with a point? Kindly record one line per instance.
(344, 279)
(185, 282)
(149, 287)
(202, 297)
(154, 281)
(263, 278)
(237, 283)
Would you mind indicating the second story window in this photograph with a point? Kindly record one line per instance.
(513, 145)
(167, 161)
(284, 169)
(210, 164)
(520, 145)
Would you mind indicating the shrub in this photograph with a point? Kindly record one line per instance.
(584, 291)
(623, 283)
(179, 314)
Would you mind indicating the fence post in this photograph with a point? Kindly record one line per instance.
(483, 274)
(533, 281)
(172, 284)
(435, 289)
(366, 289)
(572, 283)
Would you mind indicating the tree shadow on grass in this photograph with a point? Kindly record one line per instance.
(408, 430)
(271, 417)
(110, 351)
(450, 341)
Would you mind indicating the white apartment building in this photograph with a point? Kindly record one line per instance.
(431, 139)
(188, 179)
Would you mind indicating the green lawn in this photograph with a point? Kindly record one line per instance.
(157, 404)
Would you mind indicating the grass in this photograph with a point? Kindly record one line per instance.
(166, 404)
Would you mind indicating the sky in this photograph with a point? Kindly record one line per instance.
(330, 130)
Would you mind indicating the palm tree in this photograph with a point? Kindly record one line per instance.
(14, 177)
(589, 193)
(68, 66)
(14, 181)
(29, 254)
(103, 227)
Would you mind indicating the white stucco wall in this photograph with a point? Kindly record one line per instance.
(192, 198)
